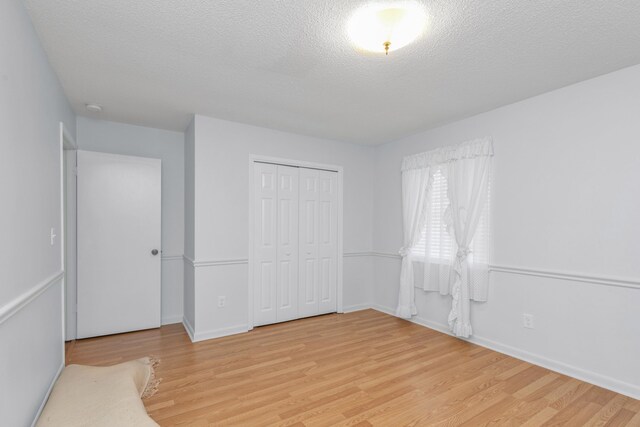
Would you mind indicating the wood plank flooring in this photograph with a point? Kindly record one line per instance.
(358, 369)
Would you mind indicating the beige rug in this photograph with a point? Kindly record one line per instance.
(101, 396)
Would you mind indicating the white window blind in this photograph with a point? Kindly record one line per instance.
(440, 242)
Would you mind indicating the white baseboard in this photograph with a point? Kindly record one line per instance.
(170, 320)
(383, 309)
(591, 377)
(214, 333)
(356, 307)
(188, 328)
(47, 394)
(219, 333)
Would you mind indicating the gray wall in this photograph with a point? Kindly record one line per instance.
(189, 225)
(32, 105)
(564, 200)
(118, 138)
(221, 231)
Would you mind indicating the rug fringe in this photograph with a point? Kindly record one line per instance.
(154, 383)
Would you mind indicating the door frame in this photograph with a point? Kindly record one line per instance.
(67, 143)
(255, 158)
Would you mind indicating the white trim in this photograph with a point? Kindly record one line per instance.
(356, 307)
(213, 333)
(188, 328)
(12, 307)
(67, 142)
(170, 320)
(214, 263)
(621, 282)
(47, 394)
(172, 257)
(253, 158)
(576, 277)
(384, 310)
(295, 163)
(250, 239)
(219, 333)
(65, 135)
(386, 255)
(357, 254)
(591, 377)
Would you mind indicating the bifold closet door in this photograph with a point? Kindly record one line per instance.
(318, 242)
(287, 253)
(275, 275)
(265, 250)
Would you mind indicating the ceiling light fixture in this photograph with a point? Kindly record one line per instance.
(385, 27)
(94, 108)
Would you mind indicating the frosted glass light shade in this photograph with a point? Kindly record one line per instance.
(398, 23)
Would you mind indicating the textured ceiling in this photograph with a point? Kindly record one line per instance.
(288, 64)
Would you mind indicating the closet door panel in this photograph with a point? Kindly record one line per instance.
(327, 241)
(308, 274)
(287, 254)
(265, 244)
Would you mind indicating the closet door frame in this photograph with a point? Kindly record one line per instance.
(253, 159)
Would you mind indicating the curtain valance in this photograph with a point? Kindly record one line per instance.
(480, 147)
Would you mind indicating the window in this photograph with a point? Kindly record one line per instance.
(440, 244)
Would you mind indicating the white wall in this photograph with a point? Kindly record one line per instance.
(118, 138)
(222, 152)
(566, 199)
(32, 105)
(189, 226)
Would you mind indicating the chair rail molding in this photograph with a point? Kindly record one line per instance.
(172, 257)
(216, 262)
(622, 282)
(574, 277)
(12, 307)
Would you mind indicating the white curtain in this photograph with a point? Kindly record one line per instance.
(455, 231)
(439, 244)
(415, 183)
(468, 184)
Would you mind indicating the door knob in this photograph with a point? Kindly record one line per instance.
(154, 252)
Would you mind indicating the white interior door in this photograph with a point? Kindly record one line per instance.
(308, 277)
(287, 254)
(318, 241)
(265, 243)
(327, 241)
(118, 232)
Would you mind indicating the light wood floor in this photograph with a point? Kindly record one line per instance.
(364, 368)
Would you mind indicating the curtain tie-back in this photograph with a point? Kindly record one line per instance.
(463, 253)
(404, 251)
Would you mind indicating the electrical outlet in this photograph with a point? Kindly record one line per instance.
(222, 301)
(527, 320)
